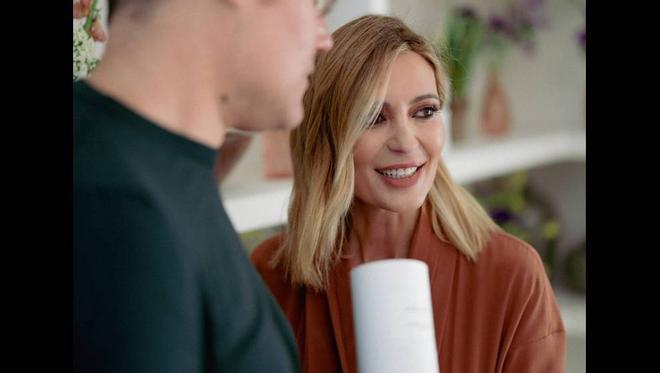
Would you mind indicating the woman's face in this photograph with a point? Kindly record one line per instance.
(397, 158)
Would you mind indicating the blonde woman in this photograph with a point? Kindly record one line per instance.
(370, 184)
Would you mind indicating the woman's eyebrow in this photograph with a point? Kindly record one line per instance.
(417, 99)
(423, 97)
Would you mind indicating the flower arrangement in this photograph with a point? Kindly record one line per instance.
(516, 26)
(87, 29)
(467, 33)
(466, 36)
(459, 49)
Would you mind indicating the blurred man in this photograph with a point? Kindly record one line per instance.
(161, 283)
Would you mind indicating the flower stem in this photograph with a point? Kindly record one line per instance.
(90, 18)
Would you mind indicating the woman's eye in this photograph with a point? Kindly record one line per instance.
(426, 112)
(379, 119)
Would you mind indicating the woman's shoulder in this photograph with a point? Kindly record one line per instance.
(518, 281)
(274, 276)
(511, 255)
(262, 258)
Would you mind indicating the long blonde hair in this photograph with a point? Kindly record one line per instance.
(341, 102)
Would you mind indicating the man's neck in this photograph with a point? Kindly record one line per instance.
(165, 84)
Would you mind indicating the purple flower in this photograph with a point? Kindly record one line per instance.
(500, 24)
(466, 11)
(501, 215)
(582, 37)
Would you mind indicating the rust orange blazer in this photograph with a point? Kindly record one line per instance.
(496, 315)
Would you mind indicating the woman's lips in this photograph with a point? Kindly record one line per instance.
(401, 176)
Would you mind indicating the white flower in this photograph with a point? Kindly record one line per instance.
(84, 59)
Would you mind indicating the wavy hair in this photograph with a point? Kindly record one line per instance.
(341, 102)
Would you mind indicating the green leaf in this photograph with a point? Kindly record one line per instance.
(550, 229)
(90, 17)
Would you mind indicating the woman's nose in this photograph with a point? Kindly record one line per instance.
(402, 139)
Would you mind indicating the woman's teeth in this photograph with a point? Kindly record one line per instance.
(398, 173)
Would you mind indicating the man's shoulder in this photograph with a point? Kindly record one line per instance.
(125, 210)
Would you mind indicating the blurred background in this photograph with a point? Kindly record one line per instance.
(515, 123)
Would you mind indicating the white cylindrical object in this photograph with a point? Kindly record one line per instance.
(393, 317)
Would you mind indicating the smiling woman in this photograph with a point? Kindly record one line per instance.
(375, 89)
(369, 184)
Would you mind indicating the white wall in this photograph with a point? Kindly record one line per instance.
(347, 10)
(565, 186)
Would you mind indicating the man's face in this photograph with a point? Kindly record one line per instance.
(278, 45)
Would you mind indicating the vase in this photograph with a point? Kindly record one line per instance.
(458, 107)
(496, 111)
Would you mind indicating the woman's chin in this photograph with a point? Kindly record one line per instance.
(401, 206)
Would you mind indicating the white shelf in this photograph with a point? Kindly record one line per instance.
(260, 203)
(477, 160)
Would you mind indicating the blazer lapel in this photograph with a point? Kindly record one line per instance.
(441, 258)
(341, 314)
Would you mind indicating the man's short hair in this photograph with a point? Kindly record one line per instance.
(112, 5)
(140, 6)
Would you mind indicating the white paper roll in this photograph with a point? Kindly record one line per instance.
(393, 317)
